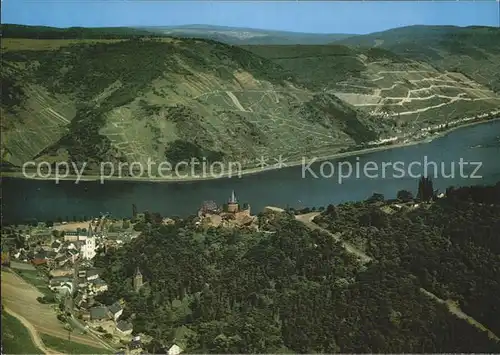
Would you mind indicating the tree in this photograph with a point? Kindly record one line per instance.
(404, 195)
(376, 197)
(331, 211)
(147, 217)
(425, 189)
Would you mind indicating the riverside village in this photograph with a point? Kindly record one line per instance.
(59, 262)
(57, 257)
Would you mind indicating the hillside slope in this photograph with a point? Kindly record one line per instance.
(140, 99)
(118, 100)
(401, 93)
(474, 51)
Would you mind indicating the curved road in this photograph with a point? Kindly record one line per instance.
(32, 331)
(307, 219)
(92, 340)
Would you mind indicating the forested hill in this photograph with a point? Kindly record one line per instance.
(45, 32)
(290, 289)
(134, 100)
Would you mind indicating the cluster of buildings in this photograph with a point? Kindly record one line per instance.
(67, 256)
(55, 252)
(100, 317)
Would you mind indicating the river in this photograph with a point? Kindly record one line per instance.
(25, 199)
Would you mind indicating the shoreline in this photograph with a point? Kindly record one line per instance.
(250, 171)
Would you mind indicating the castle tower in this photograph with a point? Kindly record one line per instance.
(232, 205)
(137, 280)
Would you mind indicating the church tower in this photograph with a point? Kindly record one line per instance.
(232, 205)
(137, 280)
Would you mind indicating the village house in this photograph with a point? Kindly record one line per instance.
(92, 274)
(46, 248)
(43, 236)
(79, 300)
(74, 236)
(72, 254)
(60, 279)
(51, 257)
(21, 254)
(61, 284)
(99, 314)
(82, 282)
(62, 259)
(39, 259)
(56, 246)
(84, 301)
(98, 285)
(62, 272)
(115, 310)
(175, 350)
(64, 288)
(85, 315)
(124, 328)
(135, 346)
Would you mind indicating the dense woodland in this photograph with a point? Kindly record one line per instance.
(451, 245)
(290, 289)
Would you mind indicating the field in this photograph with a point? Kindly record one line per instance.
(35, 278)
(70, 347)
(71, 226)
(20, 297)
(17, 44)
(15, 337)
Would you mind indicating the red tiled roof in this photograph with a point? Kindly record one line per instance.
(39, 261)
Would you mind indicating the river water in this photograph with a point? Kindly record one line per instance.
(288, 187)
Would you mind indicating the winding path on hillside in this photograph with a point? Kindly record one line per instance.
(454, 309)
(20, 295)
(35, 337)
(235, 100)
(307, 219)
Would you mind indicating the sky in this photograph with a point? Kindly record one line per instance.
(298, 16)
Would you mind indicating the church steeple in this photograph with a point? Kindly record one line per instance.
(233, 198)
(232, 205)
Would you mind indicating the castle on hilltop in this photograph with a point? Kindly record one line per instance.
(233, 207)
(231, 211)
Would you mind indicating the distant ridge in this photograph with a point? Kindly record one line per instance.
(225, 34)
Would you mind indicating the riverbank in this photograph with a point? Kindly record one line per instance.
(251, 171)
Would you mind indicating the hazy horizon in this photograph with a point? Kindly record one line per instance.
(298, 16)
(192, 25)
